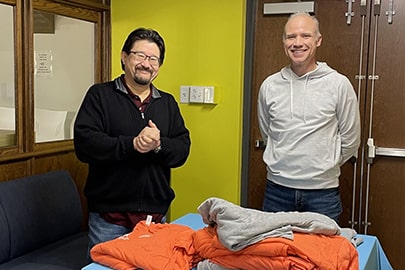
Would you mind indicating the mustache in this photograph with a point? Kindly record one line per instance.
(141, 68)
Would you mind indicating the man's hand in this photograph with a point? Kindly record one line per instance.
(148, 139)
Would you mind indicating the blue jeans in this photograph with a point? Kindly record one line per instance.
(101, 231)
(325, 201)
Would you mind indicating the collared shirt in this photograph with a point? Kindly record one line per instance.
(141, 105)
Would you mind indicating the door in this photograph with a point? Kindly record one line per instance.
(363, 41)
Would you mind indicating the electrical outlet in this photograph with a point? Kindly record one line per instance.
(196, 94)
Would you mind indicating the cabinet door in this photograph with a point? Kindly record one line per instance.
(362, 42)
(384, 175)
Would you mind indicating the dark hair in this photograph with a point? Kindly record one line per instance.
(144, 34)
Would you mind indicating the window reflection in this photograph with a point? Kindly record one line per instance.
(64, 70)
(7, 79)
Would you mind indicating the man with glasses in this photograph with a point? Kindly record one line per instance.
(131, 134)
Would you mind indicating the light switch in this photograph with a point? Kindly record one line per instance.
(184, 94)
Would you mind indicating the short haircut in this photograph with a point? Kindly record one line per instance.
(303, 14)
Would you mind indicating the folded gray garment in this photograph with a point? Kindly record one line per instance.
(238, 227)
(208, 265)
(350, 234)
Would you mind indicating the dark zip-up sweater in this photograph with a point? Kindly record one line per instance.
(121, 179)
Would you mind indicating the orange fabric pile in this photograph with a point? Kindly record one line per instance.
(306, 251)
(178, 247)
(154, 246)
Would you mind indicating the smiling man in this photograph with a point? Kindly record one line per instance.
(309, 120)
(301, 39)
(131, 134)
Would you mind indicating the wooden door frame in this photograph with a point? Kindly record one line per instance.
(247, 99)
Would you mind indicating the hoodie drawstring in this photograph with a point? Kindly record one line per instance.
(291, 96)
(305, 98)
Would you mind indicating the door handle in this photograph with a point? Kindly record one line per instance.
(260, 144)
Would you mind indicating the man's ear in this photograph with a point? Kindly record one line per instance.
(319, 41)
(124, 55)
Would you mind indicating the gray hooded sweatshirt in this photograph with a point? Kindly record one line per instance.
(310, 125)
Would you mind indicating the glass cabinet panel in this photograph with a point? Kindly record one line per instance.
(63, 71)
(7, 78)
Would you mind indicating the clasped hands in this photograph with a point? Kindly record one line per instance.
(148, 139)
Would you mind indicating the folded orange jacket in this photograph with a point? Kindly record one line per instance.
(305, 251)
(154, 246)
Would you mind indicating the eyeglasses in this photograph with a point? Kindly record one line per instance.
(140, 56)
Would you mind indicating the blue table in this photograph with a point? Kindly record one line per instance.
(371, 254)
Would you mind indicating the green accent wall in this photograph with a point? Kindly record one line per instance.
(204, 46)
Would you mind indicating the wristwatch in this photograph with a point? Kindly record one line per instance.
(157, 149)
